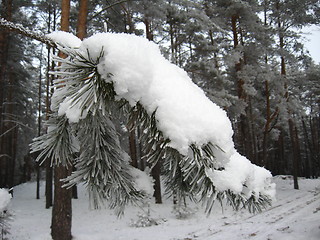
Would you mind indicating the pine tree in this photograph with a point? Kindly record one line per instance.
(17, 116)
(62, 205)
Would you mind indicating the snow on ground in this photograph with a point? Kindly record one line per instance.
(294, 216)
(4, 199)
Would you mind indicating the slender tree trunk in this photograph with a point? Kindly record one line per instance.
(308, 151)
(133, 147)
(244, 140)
(286, 96)
(295, 146)
(140, 151)
(81, 33)
(280, 154)
(315, 136)
(82, 19)
(47, 162)
(39, 125)
(4, 44)
(49, 183)
(62, 207)
(156, 170)
(9, 128)
(49, 169)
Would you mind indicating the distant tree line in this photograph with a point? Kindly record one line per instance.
(248, 56)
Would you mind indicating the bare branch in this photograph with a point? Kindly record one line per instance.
(110, 6)
(18, 28)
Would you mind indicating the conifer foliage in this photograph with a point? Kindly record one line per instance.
(84, 104)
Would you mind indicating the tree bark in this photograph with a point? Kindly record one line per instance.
(156, 170)
(308, 151)
(294, 143)
(295, 151)
(49, 171)
(62, 208)
(244, 139)
(39, 125)
(6, 127)
(82, 19)
(133, 148)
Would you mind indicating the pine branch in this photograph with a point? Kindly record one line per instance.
(103, 165)
(185, 176)
(18, 28)
(57, 144)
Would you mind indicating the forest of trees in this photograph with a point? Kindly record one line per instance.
(248, 56)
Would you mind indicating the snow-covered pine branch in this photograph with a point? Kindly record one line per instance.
(26, 32)
(191, 135)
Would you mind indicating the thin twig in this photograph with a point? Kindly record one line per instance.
(106, 8)
(18, 28)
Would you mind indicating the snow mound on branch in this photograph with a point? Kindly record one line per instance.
(65, 39)
(143, 181)
(241, 176)
(140, 74)
(5, 198)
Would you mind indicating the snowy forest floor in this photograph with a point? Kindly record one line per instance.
(294, 216)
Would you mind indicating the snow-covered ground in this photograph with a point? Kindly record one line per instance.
(294, 216)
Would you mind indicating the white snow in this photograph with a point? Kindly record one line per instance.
(140, 74)
(65, 39)
(241, 176)
(294, 216)
(143, 180)
(5, 198)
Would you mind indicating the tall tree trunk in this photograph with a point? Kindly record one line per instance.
(39, 124)
(4, 42)
(48, 191)
(62, 207)
(82, 19)
(81, 33)
(296, 153)
(49, 171)
(286, 96)
(9, 132)
(308, 150)
(133, 147)
(315, 142)
(156, 170)
(244, 139)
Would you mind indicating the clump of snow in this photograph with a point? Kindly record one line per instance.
(241, 176)
(141, 74)
(72, 110)
(65, 39)
(5, 198)
(143, 181)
